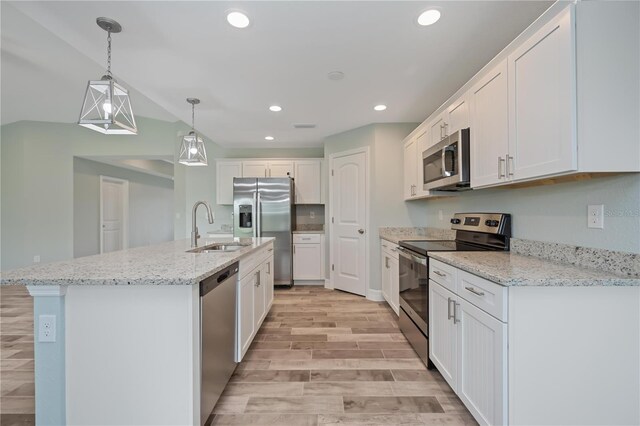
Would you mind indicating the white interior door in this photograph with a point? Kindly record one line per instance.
(349, 198)
(114, 207)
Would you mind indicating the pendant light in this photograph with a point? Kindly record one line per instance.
(107, 107)
(192, 151)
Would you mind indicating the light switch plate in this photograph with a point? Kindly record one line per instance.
(595, 216)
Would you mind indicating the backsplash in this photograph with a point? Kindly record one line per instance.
(617, 262)
(305, 211)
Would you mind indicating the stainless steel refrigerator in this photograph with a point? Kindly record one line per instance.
(263, 207)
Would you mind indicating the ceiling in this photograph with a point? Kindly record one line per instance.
(172, 50)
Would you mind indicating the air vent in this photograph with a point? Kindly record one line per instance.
(304, 126)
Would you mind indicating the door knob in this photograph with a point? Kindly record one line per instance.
(361, 231)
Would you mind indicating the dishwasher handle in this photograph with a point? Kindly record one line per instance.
(210, 283)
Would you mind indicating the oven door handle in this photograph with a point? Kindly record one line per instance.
(412, 257)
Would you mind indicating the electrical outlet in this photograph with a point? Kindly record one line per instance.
(312, 214)
(46, 328)
(595, 216)
(36, 258)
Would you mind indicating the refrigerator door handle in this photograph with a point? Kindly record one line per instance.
(254, 213)
(258, 216)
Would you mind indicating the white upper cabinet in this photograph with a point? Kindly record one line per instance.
(410, 169)
(458, 115)
(542, 97)
(437, 129)
(225, 172)
(489, 127)
(280, 169)
(308, 181)
(256, 169)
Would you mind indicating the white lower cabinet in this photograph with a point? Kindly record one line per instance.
(255, 296)
(468, 346)
(389, 274)
(308, 257)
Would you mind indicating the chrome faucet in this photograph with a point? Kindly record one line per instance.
(194, 227)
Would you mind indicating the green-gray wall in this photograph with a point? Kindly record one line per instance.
(557, 213)
(386, 164)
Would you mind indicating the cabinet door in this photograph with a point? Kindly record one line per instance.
(308, 182)
(267, 279)
(246, 324)
(256, 169)
(482, 364)
(307, 262)
(410, 169)
(225, 172)
(438, 129)
(281, 169)
(394, 288)
(542, 102)
(458, 115)
(259, 310)
(385, 275)
(489, 127)
(423, 143)
(443, 339)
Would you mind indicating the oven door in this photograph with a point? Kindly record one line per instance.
(414, 288)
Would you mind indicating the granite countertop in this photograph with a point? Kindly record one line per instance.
(160, 264)
(509, 269)
(302, 231)
(397, 234)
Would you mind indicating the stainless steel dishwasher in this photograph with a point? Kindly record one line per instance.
(217, 336)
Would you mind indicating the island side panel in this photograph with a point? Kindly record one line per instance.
(130, 355)
(573, 355)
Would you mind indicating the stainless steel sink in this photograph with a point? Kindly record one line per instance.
(218, 247)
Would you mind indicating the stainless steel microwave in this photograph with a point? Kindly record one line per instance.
(445, 166)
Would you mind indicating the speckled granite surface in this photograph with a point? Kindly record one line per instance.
(309, 228)
(511, 269)
(161, 264)
(396, 234)
(617, 262)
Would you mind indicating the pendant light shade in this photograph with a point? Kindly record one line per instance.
(107, 107)
(192, 150)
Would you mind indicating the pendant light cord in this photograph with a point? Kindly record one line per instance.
(193, 117)
(109, 54)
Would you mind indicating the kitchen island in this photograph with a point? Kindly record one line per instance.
(127, 331)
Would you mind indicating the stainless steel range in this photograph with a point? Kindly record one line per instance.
(474, 232)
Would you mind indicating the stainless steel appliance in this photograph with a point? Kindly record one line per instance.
(445, 166)
(263, 207)
(217, 336)
(474, 232)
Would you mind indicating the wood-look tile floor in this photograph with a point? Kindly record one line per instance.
(17, 403)
(325, 357)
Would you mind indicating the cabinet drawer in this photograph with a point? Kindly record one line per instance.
(443, 274)
(390, 249)
(486, 295)
(306, 238)
(249, 262)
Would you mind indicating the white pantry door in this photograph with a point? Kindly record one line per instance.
(114, 206)
(349, 216)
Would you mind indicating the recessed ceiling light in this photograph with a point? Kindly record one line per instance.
(238, 19)
(269, 138)
(275, 108)
(428, 17)
(380, 107)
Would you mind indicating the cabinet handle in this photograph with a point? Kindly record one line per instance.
(455, 312)
(440, 274)
(269, 268)
(449, 315)
(474, 291)
(394, 250)
(258, 279)
(446, 133)
(294, 249)
(500, 174)
(386, 262)
(509, 165)
(270, 249)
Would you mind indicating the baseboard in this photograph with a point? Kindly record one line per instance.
(308, 282)
(375, 295)
(328, 284)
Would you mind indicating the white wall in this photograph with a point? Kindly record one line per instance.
(557, 213)
(151, 206)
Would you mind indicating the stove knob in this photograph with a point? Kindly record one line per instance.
(492, 223)
(455, 221)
